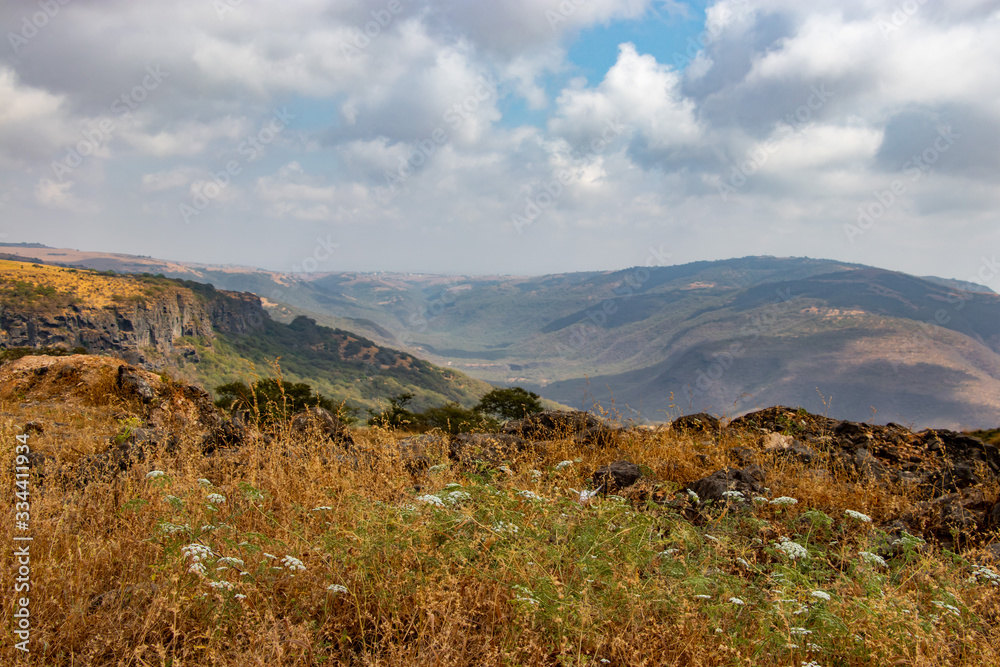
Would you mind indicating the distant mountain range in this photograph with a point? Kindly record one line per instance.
(723, 336)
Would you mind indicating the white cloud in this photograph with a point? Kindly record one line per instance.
(638, 92)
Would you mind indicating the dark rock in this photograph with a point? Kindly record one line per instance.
(701, 422)
(955, 520)
(133, 385)
(552, 424)
(33, 427)
(316, 418)
(749, 481)
(599, 436)
(869, 467)
(798, 452)
(416, 451)
(616, 476)
(491, 447)
(743, 456)
(231, 434)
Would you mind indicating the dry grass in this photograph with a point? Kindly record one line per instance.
(93, 289)
(492, 577)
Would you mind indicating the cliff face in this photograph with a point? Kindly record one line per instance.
(131, 330)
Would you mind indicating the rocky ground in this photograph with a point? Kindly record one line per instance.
(947, 476)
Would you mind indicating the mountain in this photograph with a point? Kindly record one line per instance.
(198, 333)
(723, 336)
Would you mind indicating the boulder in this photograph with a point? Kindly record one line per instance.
(700, 422)
(552, 424)
(317, 419)
(749, 481)
(616, 476)
(490, 447)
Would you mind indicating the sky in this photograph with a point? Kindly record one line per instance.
(505, 137)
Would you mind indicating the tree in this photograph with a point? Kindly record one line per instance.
(396, 415)
(509, 403)
(270, 398)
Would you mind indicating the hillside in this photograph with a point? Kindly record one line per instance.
(168, 532)
(723, 336)
(196, 332)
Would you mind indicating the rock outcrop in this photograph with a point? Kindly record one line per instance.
(131, 329)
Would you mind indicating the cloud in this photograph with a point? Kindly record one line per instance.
(805, 110)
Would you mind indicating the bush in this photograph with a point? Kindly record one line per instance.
(275, 400)
(509, 403)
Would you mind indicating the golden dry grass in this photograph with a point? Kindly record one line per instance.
(495, 576)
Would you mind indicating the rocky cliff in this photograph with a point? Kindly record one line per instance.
(142, 325)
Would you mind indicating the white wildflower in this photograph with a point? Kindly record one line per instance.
(430, 500)
(197, 552)
(702, 596)
(744, 562)
(293, 563)
(793, 550)
(336, 588)
(784, 500)
(267, 555)
(215, 498)
(229, 560)
(438, 468)
(668, 552)
(240, 596)
(759, 499)
(502, 527)
(221, 584)
(455, 497)
(693, 496)
(953, 609)
(812, 663)
(197, 568)
(863, 518)
(873, 559)
(529, 495)
(536, 474)
(321, 508)
(983, 573)
(735, 495)
(822, 595)
(171, 528)
(526, 595)
(563, 464)
(204, 482)
(800, 632)
(153, 474)
(737, 601)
